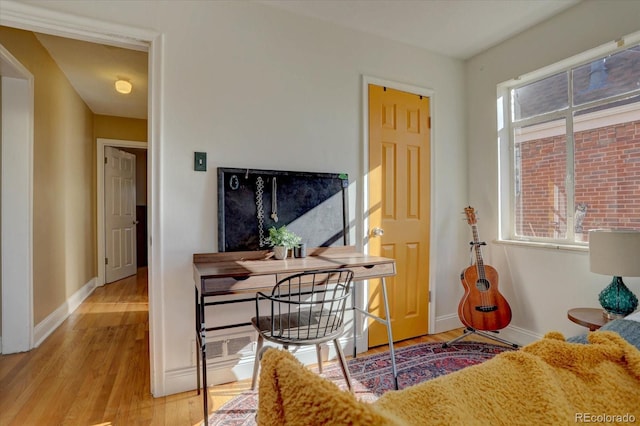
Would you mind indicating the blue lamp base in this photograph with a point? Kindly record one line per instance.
(617, 300)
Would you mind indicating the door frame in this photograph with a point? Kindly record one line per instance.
(101, 143)
(362, 343)
(34, 18)
(16, 216)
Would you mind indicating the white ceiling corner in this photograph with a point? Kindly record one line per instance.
(454, 28)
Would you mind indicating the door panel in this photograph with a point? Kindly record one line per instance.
(399, 204)
(120, 214)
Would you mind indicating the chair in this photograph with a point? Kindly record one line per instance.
(305, 309)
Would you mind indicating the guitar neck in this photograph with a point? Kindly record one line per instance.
(476, 245)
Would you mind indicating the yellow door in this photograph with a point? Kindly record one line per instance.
(399, 204)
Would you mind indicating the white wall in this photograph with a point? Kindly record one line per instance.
(540, 284)
(257, 87)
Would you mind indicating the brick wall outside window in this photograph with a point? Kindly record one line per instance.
(607, 182)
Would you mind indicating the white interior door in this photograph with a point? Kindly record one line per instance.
(120, 214)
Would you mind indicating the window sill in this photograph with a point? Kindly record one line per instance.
(541, 245)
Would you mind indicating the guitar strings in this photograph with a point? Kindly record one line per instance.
(480, 270)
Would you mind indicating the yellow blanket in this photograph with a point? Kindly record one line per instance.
(549, 382)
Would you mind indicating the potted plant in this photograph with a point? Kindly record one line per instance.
(282, 240)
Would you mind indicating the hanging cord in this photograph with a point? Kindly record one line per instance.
(260, 210)
(274, 200)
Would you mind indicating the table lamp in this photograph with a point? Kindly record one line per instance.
(615, 253)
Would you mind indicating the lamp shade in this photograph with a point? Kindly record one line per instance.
(614, 252)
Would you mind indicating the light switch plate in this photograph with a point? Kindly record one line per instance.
(200, 161)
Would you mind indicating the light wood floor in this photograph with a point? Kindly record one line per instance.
(94, 369)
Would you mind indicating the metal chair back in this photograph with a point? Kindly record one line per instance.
(305, 308)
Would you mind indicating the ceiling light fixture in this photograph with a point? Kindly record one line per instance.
(123, 86)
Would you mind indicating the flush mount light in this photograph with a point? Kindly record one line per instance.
(123, 86)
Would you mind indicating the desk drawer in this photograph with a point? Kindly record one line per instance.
(363, 272)
(374, 271)
(231, 285)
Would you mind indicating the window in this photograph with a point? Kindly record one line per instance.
(570, 149)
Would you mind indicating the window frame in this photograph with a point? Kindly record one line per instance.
(506, 141)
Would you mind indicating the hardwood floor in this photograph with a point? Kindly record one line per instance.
(94, 369)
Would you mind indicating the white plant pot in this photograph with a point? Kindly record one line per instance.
(280, 252)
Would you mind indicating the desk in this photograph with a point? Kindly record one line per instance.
(247, 272)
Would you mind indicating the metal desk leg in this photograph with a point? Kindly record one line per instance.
(203, 354)
(197, 329)
(387, 322)
(355, 327)
(389, 334)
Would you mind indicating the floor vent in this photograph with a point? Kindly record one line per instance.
(231, 346)
(239, 345)
(215, 349)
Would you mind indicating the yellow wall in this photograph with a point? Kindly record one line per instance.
(63, 208)
(0, 231)
(130, 129)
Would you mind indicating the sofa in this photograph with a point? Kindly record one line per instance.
(594, 378)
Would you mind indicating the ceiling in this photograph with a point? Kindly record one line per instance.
(92, 70)
(455, 28)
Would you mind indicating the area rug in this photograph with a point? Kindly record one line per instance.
(371, 376)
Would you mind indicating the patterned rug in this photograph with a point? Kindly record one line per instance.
(371, 376)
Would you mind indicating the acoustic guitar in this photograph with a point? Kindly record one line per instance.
(482, 307)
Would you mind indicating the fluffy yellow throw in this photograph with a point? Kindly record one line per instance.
(549, 382)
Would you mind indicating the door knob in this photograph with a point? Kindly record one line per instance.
(135, 222)
(377, 232)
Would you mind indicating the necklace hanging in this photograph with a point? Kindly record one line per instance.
(260, 211)
(274, 200)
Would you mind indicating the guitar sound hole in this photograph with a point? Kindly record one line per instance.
(487, 308)
(482, 284)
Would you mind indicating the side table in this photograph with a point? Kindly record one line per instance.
(592, 318)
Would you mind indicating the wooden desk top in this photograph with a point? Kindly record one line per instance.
(249, 271)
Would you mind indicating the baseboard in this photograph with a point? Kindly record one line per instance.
(519, 335)
(219, 372)
(47, 326)
(231, 370)
(447, 322)
(511, 333)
